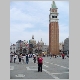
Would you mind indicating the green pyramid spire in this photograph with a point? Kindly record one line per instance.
(53, 4)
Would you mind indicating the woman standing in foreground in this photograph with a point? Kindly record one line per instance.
(40, 62)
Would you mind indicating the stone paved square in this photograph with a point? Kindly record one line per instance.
(54, 68)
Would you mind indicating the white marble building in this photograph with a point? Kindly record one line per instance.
(13, 48)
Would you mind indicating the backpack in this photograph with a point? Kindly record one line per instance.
(40, 60)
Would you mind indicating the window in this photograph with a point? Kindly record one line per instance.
(10, 48)
(54, 16)
(13, 48)
(54, 10)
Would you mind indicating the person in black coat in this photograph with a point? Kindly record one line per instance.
(27, 59)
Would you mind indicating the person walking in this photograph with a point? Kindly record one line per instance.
(11, 57)
(63, 55)
(55, 55)
(22, 58)
(40, 62)
(27, 58)
(19, 58)
(50, 55)
(34, 58)
(15, 56)
(37, 57)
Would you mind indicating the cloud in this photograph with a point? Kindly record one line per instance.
(63, 32)
(20, 27)
(29, 18)
(28, 35)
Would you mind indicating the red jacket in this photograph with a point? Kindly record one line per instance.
(62, 55)
(40, 60)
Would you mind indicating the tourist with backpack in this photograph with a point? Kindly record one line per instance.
(40, 63)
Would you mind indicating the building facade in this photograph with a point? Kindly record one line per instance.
(53, 30)
(61, 46)
(18, 44)
(22, 46)
(39, 46)
(13, 48)
(45, 48)
(32, 45)
(66, 44)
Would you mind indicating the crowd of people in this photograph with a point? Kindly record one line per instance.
(21, 57)
(37, 58)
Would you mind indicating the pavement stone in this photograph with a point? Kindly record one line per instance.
(50, 72)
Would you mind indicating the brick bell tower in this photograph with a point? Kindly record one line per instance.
(53, 30)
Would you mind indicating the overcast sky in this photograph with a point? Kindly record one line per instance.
(29, 18)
